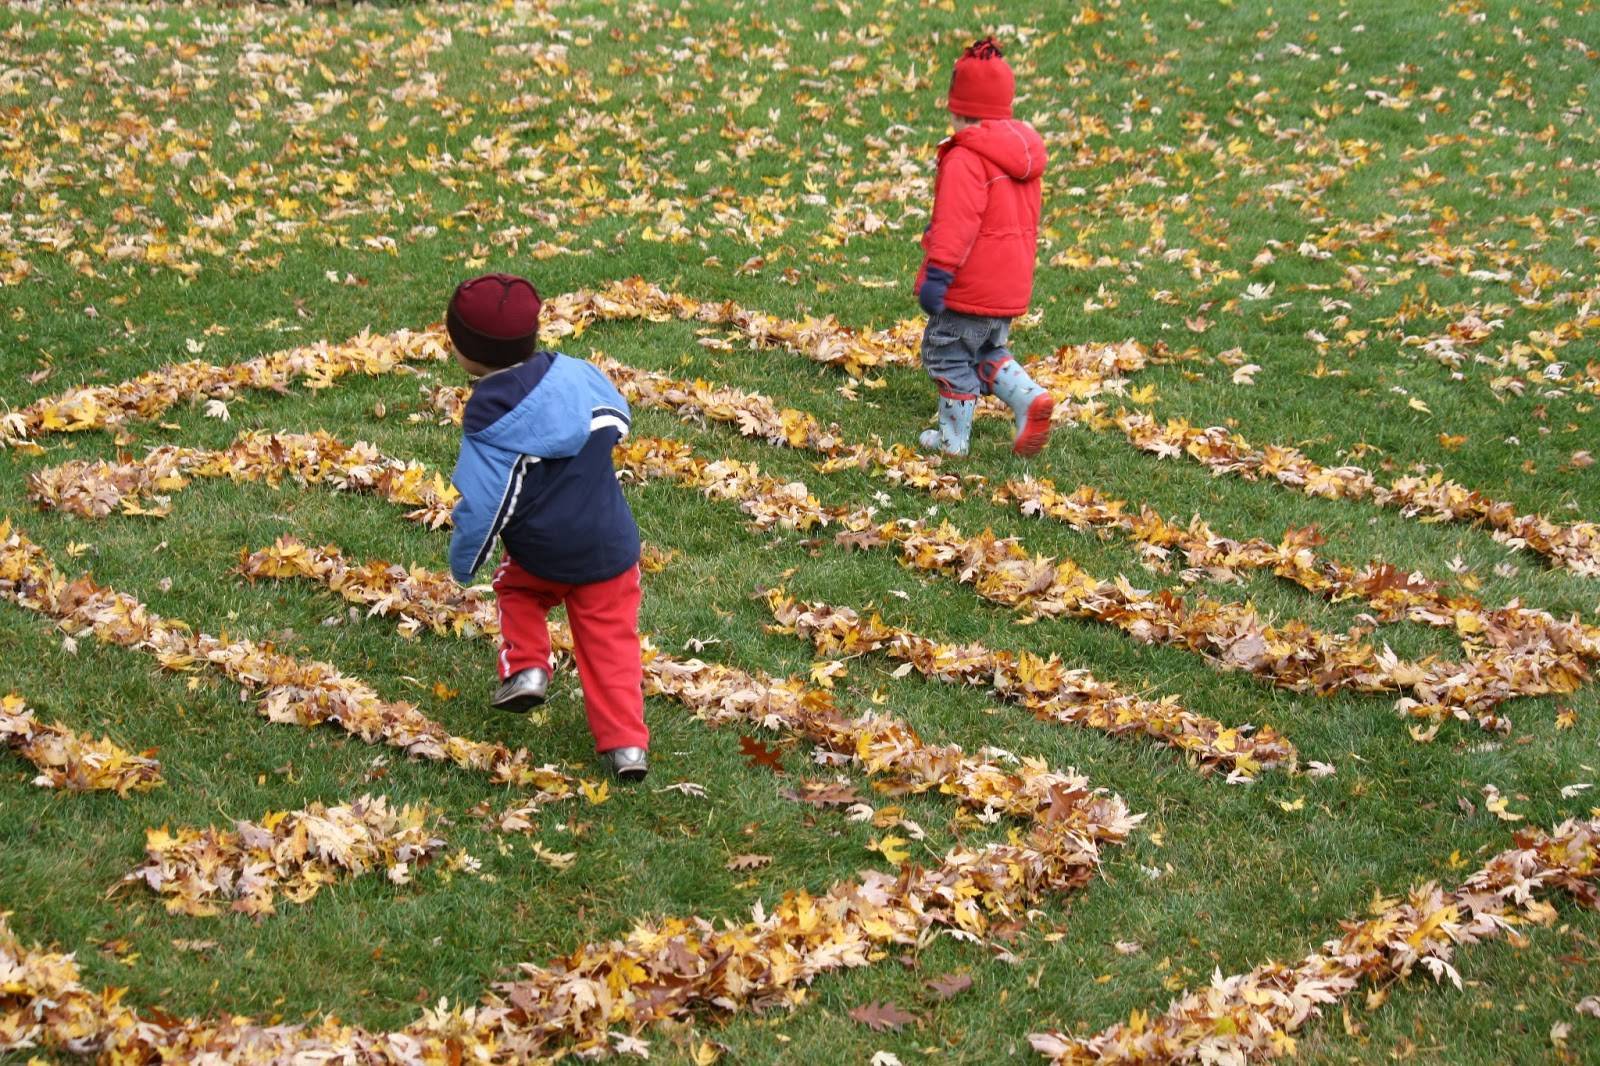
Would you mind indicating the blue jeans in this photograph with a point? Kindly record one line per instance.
(963, 353)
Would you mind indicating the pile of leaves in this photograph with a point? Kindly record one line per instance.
(1073, 371)
(755, 415)
(670, 968)
(884, 746)
(822, 340)
(1537, 652)
(291, 854)
(1250, 1017)
(673, 967)
(661, 970)
(766, 500)
(72, 761)
(1232, 636)
(1544, 657)
(1531, 649)
(1435, 498)
(97, 488)
(152, 394)
(299, 692)
(1391, 594)
(1041, 685)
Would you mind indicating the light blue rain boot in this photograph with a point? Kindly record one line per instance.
(955, 427)
(1030, 404)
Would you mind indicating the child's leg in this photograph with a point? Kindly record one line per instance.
(948, 355)
(523, 602)
(604, 616)
(1030, 404)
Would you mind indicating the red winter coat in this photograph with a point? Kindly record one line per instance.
(985, 227)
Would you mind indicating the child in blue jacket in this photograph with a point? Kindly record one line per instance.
(535, 472)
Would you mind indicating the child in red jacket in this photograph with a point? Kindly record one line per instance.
(979, 250)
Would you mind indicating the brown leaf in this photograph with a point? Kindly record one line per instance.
(824, 794)
(760, 755)
(949, 985)
(748, 862)
(880, 1016)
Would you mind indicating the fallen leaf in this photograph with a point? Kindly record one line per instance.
(758, 754)
(688, 788)
(824, 794)
(948, 986)
(880, 1016)
(890, 847)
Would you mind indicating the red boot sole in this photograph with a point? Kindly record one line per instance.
(1036, 427)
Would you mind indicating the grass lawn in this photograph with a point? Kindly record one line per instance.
(1387, 207)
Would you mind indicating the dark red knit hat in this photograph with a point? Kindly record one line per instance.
(982, 85)
(494, 319)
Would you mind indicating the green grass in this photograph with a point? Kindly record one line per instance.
(1199, 135)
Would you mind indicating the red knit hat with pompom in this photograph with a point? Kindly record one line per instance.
(982, 85)
(494, 319)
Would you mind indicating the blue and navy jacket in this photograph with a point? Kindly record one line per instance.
(535, 470)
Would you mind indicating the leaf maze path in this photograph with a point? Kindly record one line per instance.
(1088, 374)
(1511, 651)
(662, 969)
(322, 460)
(679, 965)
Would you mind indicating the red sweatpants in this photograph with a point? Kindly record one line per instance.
(604, 618)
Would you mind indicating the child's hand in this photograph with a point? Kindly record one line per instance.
(934, 284)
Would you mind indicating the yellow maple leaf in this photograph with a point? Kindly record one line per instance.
(892, 848)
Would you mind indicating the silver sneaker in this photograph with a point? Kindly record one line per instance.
(630, 764)
(522, 691)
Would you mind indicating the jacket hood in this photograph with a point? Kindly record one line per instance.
(1012, 145)
(552, 419)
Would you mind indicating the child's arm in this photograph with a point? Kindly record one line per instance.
(609, 408)
(958, 205)
(488, 480)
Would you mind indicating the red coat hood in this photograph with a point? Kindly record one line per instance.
(1013, 146)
